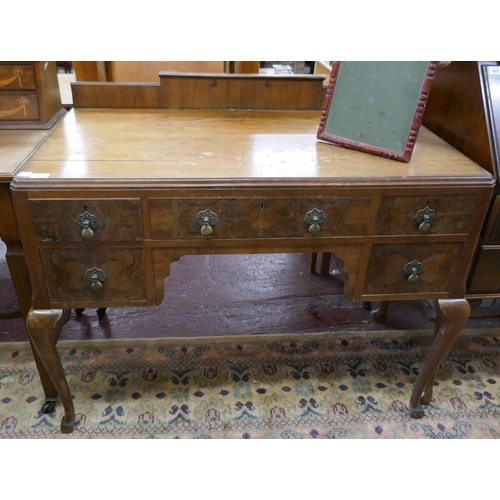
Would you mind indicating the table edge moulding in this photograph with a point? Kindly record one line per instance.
(113, 197)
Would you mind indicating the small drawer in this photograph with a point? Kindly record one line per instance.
(485, 275)
(19, 107)
(412, 268)
(17, 77)
(406, 215)
(72, 274)
(86, 220)
(258, 217)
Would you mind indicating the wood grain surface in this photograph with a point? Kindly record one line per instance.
(56, 220)
(163, 144)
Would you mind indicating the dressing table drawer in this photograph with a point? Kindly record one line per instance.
(94, 275)
(412, 268)
(442, 214)
(258, 217)
(86, 220)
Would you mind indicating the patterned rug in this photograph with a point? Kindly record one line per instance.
(280, 386)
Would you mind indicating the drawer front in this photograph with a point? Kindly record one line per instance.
(66, 220)
(17, 77)
(258, 217)
(447, 214)
(19, 107)
(388, 273)
(70, 274)
(485, 276)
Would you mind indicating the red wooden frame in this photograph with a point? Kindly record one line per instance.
(405, 156)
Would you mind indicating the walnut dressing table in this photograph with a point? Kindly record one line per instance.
(113, 197)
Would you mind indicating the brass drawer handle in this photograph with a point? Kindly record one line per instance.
(96, 277)
(206, 219)
(315, 218)
(412, 270)
(88, 224)
(424, 218)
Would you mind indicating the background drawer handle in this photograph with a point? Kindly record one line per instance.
(96, 277)
(412, 270)
(206, 219)
(424, 218)
(88, 223)
(315, 218)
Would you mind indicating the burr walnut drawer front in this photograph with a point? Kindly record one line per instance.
(17, 77)
(412, 268)
(86, 220)
(17, 106)
(443, 214)
(258, 217)
(94, 274)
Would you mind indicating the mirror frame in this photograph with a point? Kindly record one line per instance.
(417, 108)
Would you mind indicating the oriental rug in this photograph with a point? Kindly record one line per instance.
(305, 386)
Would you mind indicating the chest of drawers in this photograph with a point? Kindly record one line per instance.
(114, 197)
(29, 95)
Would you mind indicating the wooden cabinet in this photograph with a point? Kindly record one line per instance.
(29, 95)
(464, 109)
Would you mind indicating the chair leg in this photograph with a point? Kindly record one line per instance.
(379, 314)
(324, 264)
(314, 260)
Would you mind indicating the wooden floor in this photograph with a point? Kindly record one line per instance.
(240, 294)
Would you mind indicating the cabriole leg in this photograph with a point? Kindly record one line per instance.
(43, 327)
(452, 314)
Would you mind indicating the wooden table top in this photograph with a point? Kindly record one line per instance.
(247, 145)
(15, 147)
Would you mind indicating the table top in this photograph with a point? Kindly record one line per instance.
(193, 145)
(15, 147)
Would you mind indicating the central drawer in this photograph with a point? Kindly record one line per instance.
(94, 274)
(258, 217)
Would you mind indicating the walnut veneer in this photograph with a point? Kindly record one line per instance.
(113, 197)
